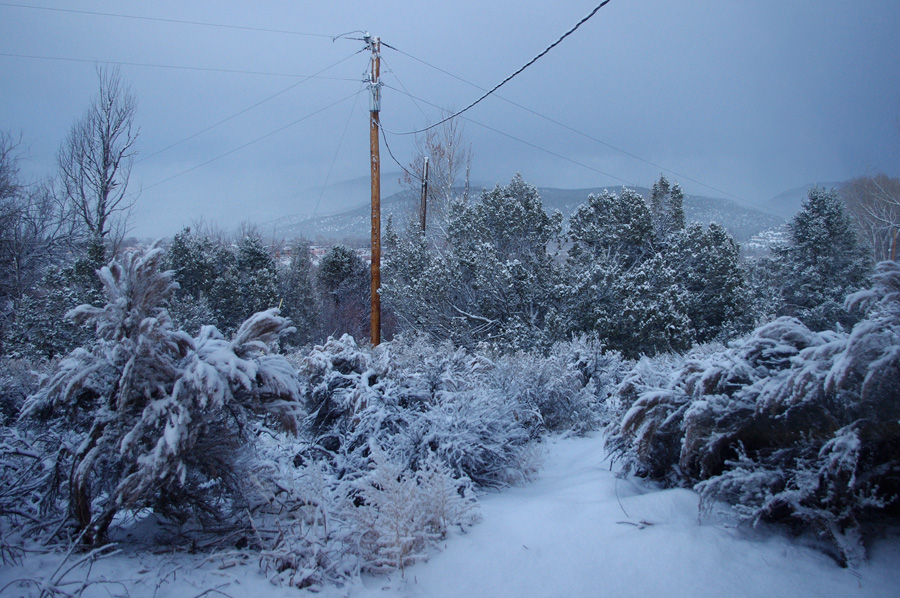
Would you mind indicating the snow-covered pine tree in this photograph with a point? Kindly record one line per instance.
(667, 209)
(405, 278)
(148, 417)
(257, 274)
(492, 278)
(618, 286)
(343, 286)
(612, 227)
(708, 264)
(298, 294)
(823, 262)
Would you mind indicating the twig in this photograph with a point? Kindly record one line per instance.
(616, 486)
(217, 590)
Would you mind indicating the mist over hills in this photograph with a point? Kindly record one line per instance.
(351, 226)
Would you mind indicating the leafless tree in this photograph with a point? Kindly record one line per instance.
(9, 165)
(449, 162)
(875, 203)
(34, 226)
(95, 162)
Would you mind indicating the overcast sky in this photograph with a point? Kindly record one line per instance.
(749, 98)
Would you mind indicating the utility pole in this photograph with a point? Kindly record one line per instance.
(374, 44)
(424, 205)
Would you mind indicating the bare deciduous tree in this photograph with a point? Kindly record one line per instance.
(33, 226)
(95, 163)
(449, 162)
(875, 203)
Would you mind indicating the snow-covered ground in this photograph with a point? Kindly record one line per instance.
(576, 530)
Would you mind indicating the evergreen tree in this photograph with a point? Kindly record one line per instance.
(648, 313)
(192, 256)
(708, 262)
(195, 259)
(343, 285)
(667, 208)
(491, 279)
(823, 262)
(225, 294)
(618, 286)
(257, 275)
(298, 295)
(41, 329)
(613, 227)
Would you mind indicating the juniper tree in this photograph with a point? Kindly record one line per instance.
(257, 274)
(618, 285)
(708, 263)
(667, 209)
(298, 294)
(823, 262)
(343, 286)
(491, 279)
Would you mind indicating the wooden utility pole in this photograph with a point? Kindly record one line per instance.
(374, 44)
(424, 205)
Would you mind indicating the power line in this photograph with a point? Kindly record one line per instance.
(509, 78)
(172, 66)
(578, 132)
(249, 143)
(247, 109)
(394, 73)
(164, 20)
(337, 151)
(514, 138)
(394, 158)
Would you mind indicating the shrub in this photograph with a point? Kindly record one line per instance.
(789, 425)
(148, 417)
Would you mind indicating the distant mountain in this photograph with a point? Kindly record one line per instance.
(338, 198)
(741, 222)
(352, 226)
(788, 203)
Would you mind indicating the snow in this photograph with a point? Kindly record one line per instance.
(576, 530)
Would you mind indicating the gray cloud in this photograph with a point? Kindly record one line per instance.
(751, 98)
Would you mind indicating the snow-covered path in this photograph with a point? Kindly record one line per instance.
(566, 534)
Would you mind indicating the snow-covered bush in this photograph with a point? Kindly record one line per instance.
(322, 521)
(415, 400)
(405, 512)
(18, 379)
(148, 417)
(787, 424)
(569, 386)
(476, 412)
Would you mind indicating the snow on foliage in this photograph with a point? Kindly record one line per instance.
(395, 440)
(786, 424)
(148, 417)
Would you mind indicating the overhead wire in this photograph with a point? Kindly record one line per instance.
(510, 77)
(173, 66)
(247, 109)
(258, 139)
(166, 20)
(514, 138)
(393, 157)
(397, 77)
(337, 151)
(385, 134)
(577, 131)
